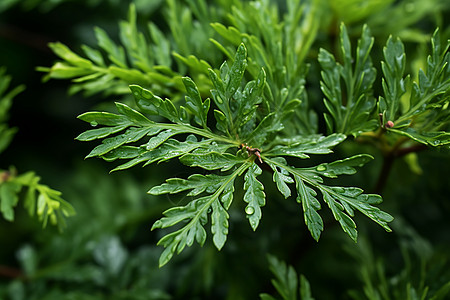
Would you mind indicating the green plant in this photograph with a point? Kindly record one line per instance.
(287, 282)
(239, 124)
(39, 199)
(246, 95)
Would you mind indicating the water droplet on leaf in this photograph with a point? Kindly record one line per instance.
(249, 210)
(321, 168)
(94, 123)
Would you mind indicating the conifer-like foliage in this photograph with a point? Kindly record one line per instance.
(265, 129)
(39, 199)
(242, 143)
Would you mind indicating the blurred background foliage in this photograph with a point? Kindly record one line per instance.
(107, 250)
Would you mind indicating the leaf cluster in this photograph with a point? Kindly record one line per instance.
(6, 97)
(417, 110)
(424, 274)
(150, 58)
(287, 281)
(39, 199)
(241, 144)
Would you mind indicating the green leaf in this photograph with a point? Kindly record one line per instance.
(267, 126)
(48, 205)
(133, 134)
(394, 83)
(65, 53)
(9, 199)
(194, 103)
(340, 199)
(350, 106)
(344, 166)
(254, 196)
(100, 133)
(305, 289)
(281, 178)
(211, 161)
(219, 224)
(320, 145)
(197, 183)
(115, 54)
(195, 213)
(434, 139)
(104, 118)
(307, 197)
(170, 149)
(286, 279)
(233, 78)
(154, 105)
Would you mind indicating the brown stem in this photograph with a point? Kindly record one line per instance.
(9, 272)
(388, 161)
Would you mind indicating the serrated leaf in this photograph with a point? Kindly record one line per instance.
(286, 280)
(123, 152)
(343, 166)
(305, 289)
(133, 134)
(267, 126)
(234, 77)
(319, 145)
(133, 116)
(211, 161)
(219, 224)
(254, 196)
(350, 104)
(307, 197)
(197, 183)
(344, 220)
(104, 118)
(65, 53)
(195, 104)
(281, 180)
(9, 199)
(195, 213)
(100, 133)
(434, 139)
(355, 199)
(394, 83)
(170, 149)
(154, 105)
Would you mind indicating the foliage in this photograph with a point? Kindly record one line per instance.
(47, 203)
(6, 97)
(286, 282)
(424, 276)
(352, 80)
(236, 124)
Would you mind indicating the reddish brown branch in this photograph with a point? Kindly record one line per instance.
(10, 272)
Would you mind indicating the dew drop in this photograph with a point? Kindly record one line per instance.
(94, 123)
(219, 100)
(321, 168)
(249, 210)
(436, 142)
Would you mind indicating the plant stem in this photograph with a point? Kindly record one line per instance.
(10, 272)
(388, 161)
